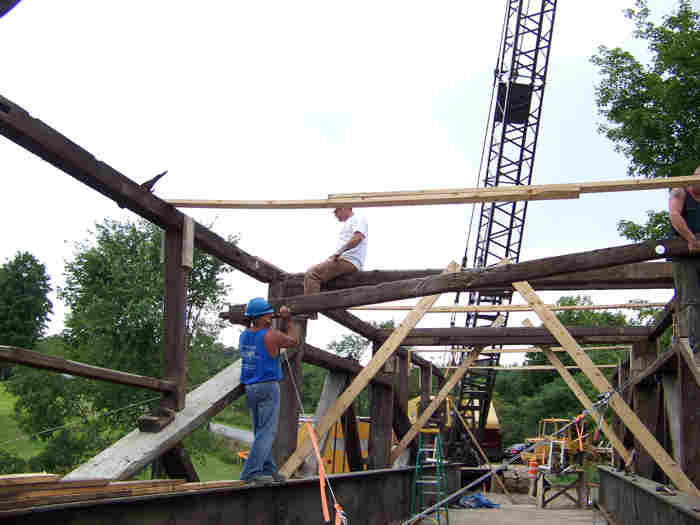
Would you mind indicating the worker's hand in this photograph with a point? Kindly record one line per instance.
(285, 312)
(334, 257)
(694, 245)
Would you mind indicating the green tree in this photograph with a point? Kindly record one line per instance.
(114, 290)
(656, 228)
(24, 302)
(652, 111)
(522, 398)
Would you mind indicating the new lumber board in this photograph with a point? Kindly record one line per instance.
(586, 403)
(471, 279)
(585, 187)
(528, 367)
(600, 382)
(446, 196)
(363, 379)
(20, 356)
(509, 308)
(133, 452)
(534, 349)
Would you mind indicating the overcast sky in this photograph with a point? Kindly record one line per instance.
(293, 100)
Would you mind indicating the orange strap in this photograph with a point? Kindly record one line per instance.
(321, 474)
(338, 514)
(580, 434)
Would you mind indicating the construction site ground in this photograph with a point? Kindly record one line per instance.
(525, 512)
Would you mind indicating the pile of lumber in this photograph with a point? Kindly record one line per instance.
(21, 491)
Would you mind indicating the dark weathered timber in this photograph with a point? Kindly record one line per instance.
(633, 500)
(494, 336)
(663, 320)
(45, 142)
(174, 316)
(335, 363)
(499, 276)
(644, 404)
(690, 422)
(178, 464)
(353, 322)
(380, 413)
(353, 447)
(665, 363)
(649, 275)
(21, 356)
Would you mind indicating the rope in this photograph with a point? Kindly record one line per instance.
(340, 516)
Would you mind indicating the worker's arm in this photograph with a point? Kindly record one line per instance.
(354, 241)
(675, 208)
(275, 339)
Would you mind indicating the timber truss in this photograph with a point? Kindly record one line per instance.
(160, 437)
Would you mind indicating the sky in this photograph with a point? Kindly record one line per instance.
(296, 100)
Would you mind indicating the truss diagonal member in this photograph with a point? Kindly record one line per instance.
(363, 378)
(599, 381)
(585, 401)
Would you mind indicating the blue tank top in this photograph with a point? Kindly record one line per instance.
(257, 366)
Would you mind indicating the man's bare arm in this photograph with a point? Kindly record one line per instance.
(675, 209)
(354, 241)
(276, 339)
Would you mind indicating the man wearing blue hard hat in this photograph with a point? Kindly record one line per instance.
(261, 372)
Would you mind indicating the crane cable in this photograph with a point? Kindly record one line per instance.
(340, 516)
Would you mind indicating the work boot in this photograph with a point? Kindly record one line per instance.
(279, 478)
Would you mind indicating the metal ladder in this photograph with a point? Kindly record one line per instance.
(429, 483)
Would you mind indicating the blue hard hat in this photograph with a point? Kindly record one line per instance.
(257, 307)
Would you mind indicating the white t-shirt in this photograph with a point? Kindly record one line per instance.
(356, 255)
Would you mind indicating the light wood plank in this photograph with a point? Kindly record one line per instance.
(363, 378)
(585, 401)
(527, 367)
(133, 452)
(429, 197)
(629, 418)
(9, 480)
(535, 349)
(435, 403)
(586, 187)
(510, 308)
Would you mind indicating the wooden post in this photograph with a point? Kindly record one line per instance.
(426, 386)
(174, 319)
(690, 421)
(381, 415)
(630, 419)
(401, 385)
(353, 447)
(364, 377)
(288, 427)
(644, 400)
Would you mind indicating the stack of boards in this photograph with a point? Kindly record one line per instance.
(24, 491)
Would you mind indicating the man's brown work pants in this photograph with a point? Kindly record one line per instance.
(324, 272)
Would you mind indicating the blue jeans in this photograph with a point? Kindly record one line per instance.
(264, 404)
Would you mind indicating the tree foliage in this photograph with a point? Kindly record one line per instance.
(115, 291)
(24, 302)
(522, 398)
(653, 111)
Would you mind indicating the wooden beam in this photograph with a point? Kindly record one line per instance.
(133, 452)
(470, 279)
(435, 403)
(45, 142)
(483, 336)
(586, 403)
(174, 318)
(508, 308)
(644, 275)
(363, 379)
(527, 349)
(527, 368)
(335, 363)
(20, 356)
(630, 419)
(381, 415)
(454, 196)
(663, 320)
(585, 187)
